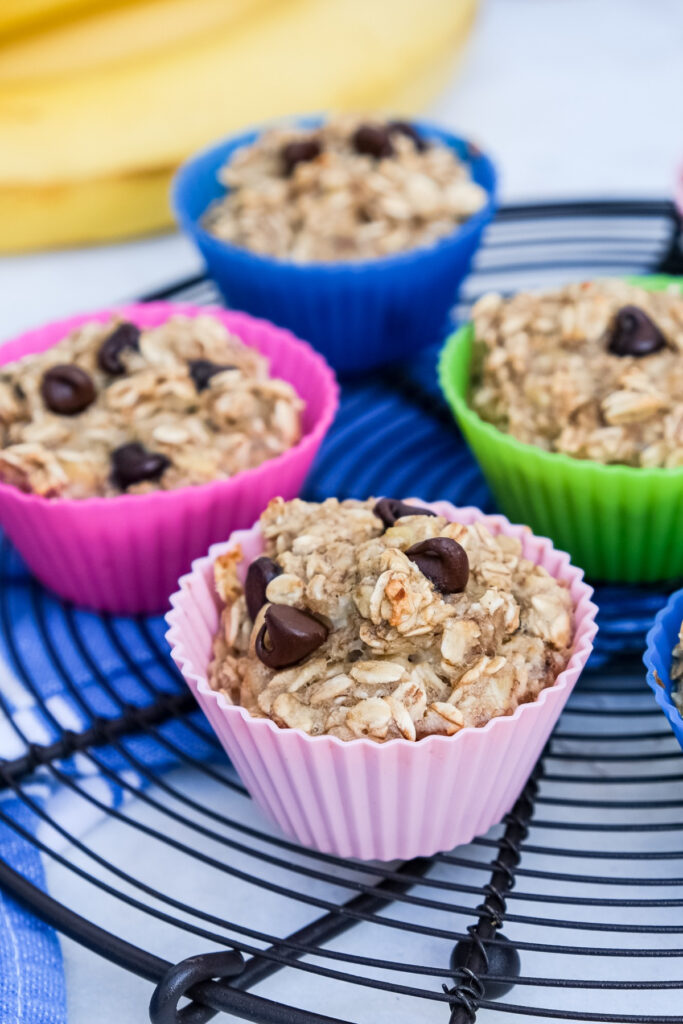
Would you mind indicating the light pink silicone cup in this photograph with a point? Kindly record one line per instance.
(124, 554)
(368, 800)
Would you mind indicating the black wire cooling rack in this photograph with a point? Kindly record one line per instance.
(569, 910)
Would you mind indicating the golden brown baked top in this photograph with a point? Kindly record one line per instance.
(113, 408)
(385, 621)
(594, 370)
(347, 190)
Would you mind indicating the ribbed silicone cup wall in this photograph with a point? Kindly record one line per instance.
(124, 554)
(378, 800)
(661, 641)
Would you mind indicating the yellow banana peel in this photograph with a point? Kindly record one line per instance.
(119, 35)
(19, 16)
(88, 156)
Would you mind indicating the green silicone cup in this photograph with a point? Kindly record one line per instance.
(620, 523)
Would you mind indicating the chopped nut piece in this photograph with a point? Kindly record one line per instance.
(228, 583)
(459, 638)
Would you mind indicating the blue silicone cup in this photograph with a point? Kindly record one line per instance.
(661, 641)
(358, 314)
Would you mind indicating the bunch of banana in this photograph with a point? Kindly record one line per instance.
(100, 101)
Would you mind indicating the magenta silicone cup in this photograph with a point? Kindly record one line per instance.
(124, 554)
(369, 800)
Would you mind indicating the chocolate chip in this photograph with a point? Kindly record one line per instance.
(373, 140)
(443, 561)
(391, 509)
(202, 370)
(132, 463)
(67, 389)
(287, 636)
(632, 333)
(124, 336)
(299, 152)
(409, 130)
(259, 575)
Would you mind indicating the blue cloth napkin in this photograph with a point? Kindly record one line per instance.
(31, 974)
(59, 667)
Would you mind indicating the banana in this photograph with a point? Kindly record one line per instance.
(24, 15)
(89, 156)
(119, 35)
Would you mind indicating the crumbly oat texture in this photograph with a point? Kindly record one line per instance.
(230, 416)
(677, 672)
(401, 659)
(336, 203)
(544, 373)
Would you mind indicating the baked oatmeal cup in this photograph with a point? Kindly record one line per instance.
(354, 232)
(664, 662)
(354, 657)
(572, 402)
(130, 439)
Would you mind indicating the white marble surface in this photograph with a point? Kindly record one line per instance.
(570, 96)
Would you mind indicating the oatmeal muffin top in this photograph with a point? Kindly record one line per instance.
(384, 620)
(114, 408)
(594, 370)
(347, 190)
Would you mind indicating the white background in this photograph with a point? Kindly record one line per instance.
(571, 97)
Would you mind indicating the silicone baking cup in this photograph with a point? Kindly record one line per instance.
(358, 314)
(124, 554)
(621, 523)
(661, 641)
(367, 800)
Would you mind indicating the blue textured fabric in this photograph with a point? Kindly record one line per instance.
(59, 667)
(31, 976)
